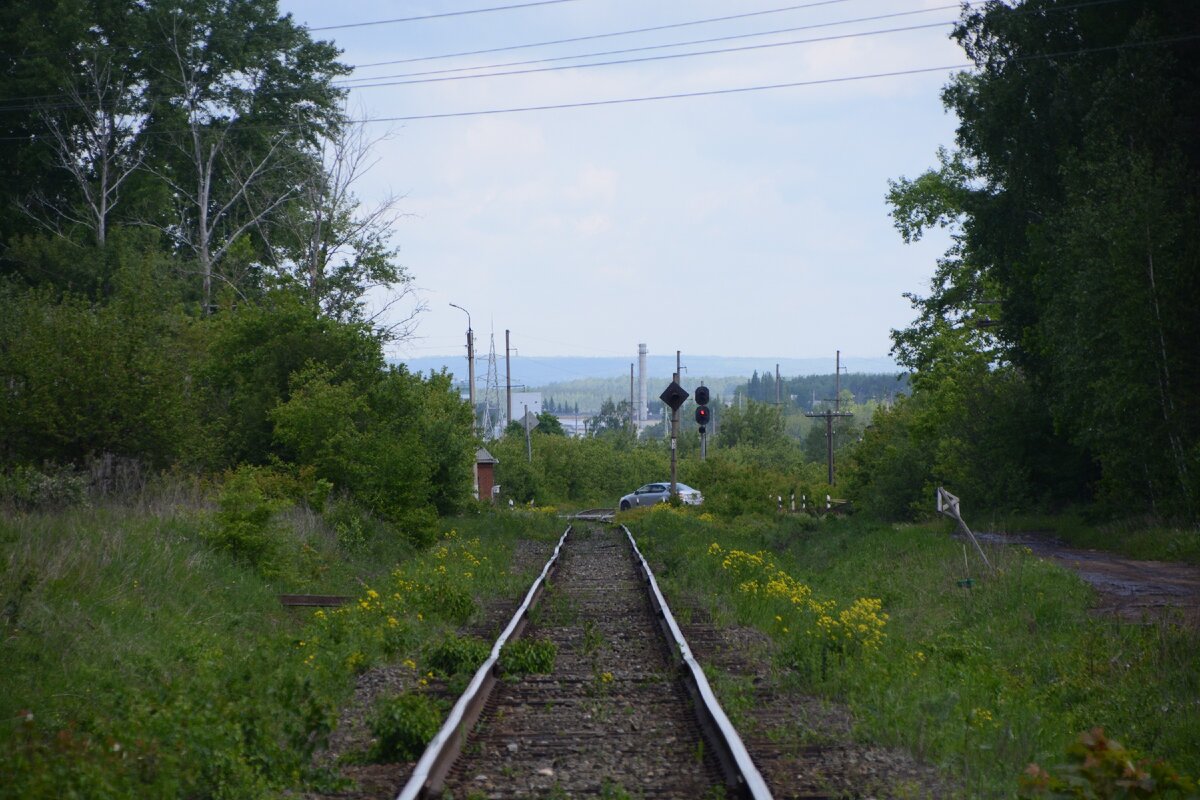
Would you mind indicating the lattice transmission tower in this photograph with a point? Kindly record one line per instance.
(493, 412)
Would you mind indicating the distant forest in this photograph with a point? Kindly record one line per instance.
(809, 391)
(586, 395)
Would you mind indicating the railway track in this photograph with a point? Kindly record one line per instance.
(626, 710)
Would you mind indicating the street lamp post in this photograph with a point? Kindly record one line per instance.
(470, 363)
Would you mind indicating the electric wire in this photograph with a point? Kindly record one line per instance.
(594, 36)
(773, 86)
(726, 91)
(442, 15)
(344, 83)
(661, 57)
(646, 48)
(674, 96)
(383, 81)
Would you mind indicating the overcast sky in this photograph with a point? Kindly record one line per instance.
(740, 224)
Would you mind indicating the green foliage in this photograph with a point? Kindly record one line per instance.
(403, 725)
(982, 680)
(978, 428)
(528, 657)
(592, 470)
(1070, 198)
(1102, 768)
(756, 425)
(124, 361)
(139, 662)
(613, 420)
(548, 425)
(29, 488)
(457, 655)
(746, 480)
(244, 526)
(208, 312)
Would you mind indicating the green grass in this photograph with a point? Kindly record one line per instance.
(980, 680)
(140, 661)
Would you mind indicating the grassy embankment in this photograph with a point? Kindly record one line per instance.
(139, 659)
(981, 680)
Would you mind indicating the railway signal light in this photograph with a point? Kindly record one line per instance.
(701, 395)
(702, 416)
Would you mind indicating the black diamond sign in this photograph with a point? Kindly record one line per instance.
(673, 396)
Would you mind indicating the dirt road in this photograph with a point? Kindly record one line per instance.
(1133, 590)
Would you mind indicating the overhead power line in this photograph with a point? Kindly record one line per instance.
(590, 37)
(437, 16)
(646, 48)
(385, 80)
(643, 59)
(728, 91)
(676, 96)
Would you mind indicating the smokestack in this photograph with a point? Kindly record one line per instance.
(643, 410)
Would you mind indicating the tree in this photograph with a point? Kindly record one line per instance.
(612, 420)
(337, 251)
(95, 140)
(755, 425)
(237, 96)
(1074, 261)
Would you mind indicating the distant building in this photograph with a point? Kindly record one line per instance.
(521, 401)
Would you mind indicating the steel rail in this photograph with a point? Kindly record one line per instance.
(431, 769)
(730, 749)
(742, 776)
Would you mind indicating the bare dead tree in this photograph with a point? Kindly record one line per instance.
(340, 251)
(95, 135)
(227, 190)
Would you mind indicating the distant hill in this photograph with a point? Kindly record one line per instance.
(539, 371)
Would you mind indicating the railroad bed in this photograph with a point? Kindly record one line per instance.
(618, 713)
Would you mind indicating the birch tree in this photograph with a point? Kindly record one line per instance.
(240, 96)
(337, 250)
(95, 136)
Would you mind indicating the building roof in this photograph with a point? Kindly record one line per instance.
(482, 456)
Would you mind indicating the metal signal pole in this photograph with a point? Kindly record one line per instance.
(674, 436)
(675, 433)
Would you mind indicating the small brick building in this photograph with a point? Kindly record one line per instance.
(485, 475)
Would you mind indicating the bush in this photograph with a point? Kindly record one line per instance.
(29, 488)
(1102, 768)
(528, 657)
(403, 725)
(456, 655)
(244, 526)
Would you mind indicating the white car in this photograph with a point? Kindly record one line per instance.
(653, 493)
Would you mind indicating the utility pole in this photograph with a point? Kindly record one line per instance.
(837, 383)
(829, 416)
(507, 379)
(470, 365)
(777, 394)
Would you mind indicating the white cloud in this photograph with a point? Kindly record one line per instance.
(745, 224)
